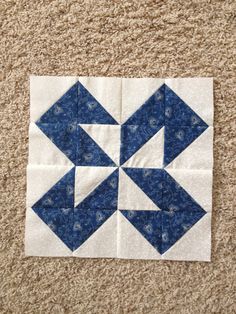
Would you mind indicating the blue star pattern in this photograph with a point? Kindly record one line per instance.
(62, 125)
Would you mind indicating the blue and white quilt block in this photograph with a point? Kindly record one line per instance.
(120, 167)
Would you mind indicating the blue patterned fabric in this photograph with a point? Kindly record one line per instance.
(86, 222)
(142, 125)
(60, 221)
(61, 195)
(56, 208)
(151, 113)
(178, 113)
(74, 225)
(104, 196)
(176, 224)
(150, 181)
(90, 111)
(175, 198)
(133, 137)
(179, 138)
(162, 228)
(61, 125)
(178, 210)
(89, 153)
(64, 136)
(163, 108)
(148, 223)
(64, 111)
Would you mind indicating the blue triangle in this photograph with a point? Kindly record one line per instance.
(61, 195)
(133, 137)
(176, 198)
(150, 181)
(104, 196)
(86, 222)
(73, 227)
(176, 224)
(64, 110)
(177, 138)
(151, 113)
(60, 221)
(180, 212)
(89, 153)
(64, 136)
(90, 111)
(178, 113)
(148, 223)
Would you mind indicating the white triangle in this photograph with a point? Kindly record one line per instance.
(150, 155)
(87, 179)
(40, 179)
(107, 91)
(131, 244)
(197, 93)
(43, 151)
(197, 183)
(45, 91)
(198, 155)
(103, 242)
(107, 137)
(195, 245)
(135, 91)
(131, 196)
(40, 240)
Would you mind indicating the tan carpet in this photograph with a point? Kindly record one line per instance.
(114, 38)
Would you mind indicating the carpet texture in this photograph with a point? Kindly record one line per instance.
(114, 38)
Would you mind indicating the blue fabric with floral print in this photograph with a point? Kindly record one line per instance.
(178, 138)
(178, 210)
(178, 113)
(60, 221)
(176, 224)
(142, 125)
(175, 198)
(74, 225)
(151, 112)
(86, 222)
(162, 228)
(133, 137)
(61, 195)
(104, 196)
(64, 136)
(148, 223)
(89, 153)
(90, 111)
(64, 110)
(150, 181)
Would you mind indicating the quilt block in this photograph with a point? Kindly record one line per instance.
(120, 167)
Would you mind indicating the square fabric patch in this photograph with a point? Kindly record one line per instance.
(120, 167)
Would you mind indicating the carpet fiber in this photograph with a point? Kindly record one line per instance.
(114, 38)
